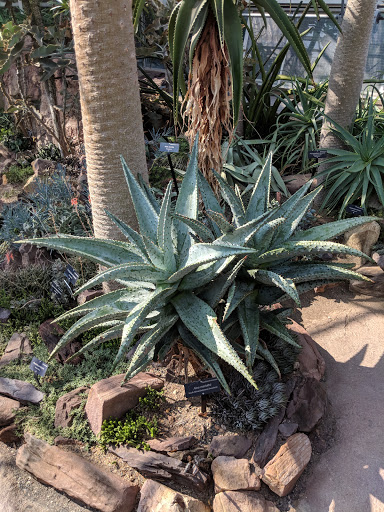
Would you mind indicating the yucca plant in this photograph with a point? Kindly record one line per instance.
(355, 173)
(177, 274)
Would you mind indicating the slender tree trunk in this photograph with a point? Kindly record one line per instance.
(347, 71)
(110, 105)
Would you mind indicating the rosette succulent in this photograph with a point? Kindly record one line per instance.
(192, 277)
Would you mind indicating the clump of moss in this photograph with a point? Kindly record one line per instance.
(18, 174)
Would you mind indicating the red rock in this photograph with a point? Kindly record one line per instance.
(8, 434)
(7, 408)
(231, 474)
(244, 501)
(172, 444)
(311, 362)
(156, 497)
(282, 472)
(66, 404)
(18, 344)
(232, 446)
(308, 404)
(76, 477)
(109, 399)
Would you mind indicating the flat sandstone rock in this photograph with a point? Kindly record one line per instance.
(282, 472)
(76, 477)
(156, 497)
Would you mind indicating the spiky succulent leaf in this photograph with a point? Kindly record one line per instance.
(260, 195)
(237, 293)
(113, 333)
(201, 254)
(200, 229)
(276, 327)
(271, 278)
(164, 231)
(148, 341)
(333, 229)
(130, 233)
(219, 286)
(104, 252)
(223, 225)
(146, 214)
(137, 316)
(201, 320)
(208, 357)
(249, 319)
(301, 248)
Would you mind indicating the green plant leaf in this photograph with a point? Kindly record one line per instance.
(201, 320)
(249, 319)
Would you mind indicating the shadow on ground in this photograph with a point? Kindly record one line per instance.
(349, 330)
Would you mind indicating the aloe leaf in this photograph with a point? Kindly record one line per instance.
(233, 35)
(200, 254)
(111, 334)
(136, 317)
(104, 252)
(123, 299)
(237, 293)
(244, 233)
(231, 199)
(135, 271)
(200, 229)
(201, 320)
(208, 358)
(273, 325)
(187, 202)
(164, 221)
(259, 200)
(294, 218)
(271, 278)
(156, 255)
(149, 193)
(218, 7)
(332, 229)
(91, 320)
(221, 222)
(214, 293)
(249, 319)
(302, 248)
(148, 341)
(303, 273)
(265, 234)
(266, 354)
(130, 233)
(209, 200)
(205, 274)
(146, 214)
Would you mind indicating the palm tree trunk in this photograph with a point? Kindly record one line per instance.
(110, 105)
(347, 71)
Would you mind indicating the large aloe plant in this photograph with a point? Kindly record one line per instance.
(176, 272)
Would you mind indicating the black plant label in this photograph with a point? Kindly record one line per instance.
(38, 367)
(202, 387)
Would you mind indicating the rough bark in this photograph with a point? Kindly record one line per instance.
(110, 105)
(347, 71)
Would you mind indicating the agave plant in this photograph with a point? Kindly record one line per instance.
(355, 173)
(178, 272)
